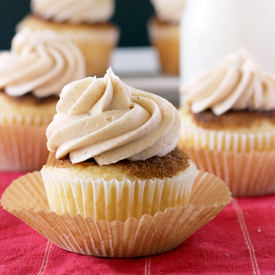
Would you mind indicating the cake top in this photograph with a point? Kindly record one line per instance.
(74, 11)
(104, 119)
(167, 166)
(40, 63)
(169, 10)
(236, 83)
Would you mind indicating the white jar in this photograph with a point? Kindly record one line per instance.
(210, 29)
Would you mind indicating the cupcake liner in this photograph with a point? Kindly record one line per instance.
(22, 147)
(247, 174)
(115, 199)
(96, 47)
(165, 38)
(95, 42)
(97, 55)
(26, 199)
(237, 142)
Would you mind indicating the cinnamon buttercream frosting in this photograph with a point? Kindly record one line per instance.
(41, 63)
(104, 119)
(74, 11)
(237, 83)
(169, 10)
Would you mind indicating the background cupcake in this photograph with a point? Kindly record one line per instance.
(229, 124)
(84, 22)
(164, 32)
(32, 75)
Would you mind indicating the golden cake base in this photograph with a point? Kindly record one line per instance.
(23, 124)
(247, 174)
(26, 199)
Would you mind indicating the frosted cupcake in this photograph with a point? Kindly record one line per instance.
(32, 75)
(229, 124)
(84, 22)
(115, 184)
(113, 152)
(164, 33)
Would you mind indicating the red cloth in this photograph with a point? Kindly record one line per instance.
(241, 240)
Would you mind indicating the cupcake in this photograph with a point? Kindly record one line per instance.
(84, 22)
(113, 152)
(164, 33)
(115, 183)
(228, 115)
(32, 75)
(113, 155)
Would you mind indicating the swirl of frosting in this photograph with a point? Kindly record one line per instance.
(237, 83)
(41, 63)
(169, 10)
(109, 121)
(74, 11)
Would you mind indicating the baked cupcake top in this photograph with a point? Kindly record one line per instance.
(74, 11)
(104, 119)
(40, 63)
(169, 10)
(237, 83)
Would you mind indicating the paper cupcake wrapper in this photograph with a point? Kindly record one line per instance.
(195, 137)
(96, 47)
(97, 55)
(22, 147)
(165, 38)
(247, 174)
(26, 199)
(114, 199)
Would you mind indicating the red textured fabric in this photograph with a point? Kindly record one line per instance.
(241, 240)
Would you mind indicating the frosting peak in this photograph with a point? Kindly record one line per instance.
(237, 83)
(169, 10)
(74, 11)
(41, 63)
(104, 119)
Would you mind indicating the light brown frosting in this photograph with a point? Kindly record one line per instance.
(169, 10)
(237, 83)
(109, 121)
(74, 11)
(41, 63)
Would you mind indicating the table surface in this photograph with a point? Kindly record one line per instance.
(240, 240)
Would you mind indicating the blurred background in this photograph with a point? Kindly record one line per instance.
(131, 16)
(135, 61)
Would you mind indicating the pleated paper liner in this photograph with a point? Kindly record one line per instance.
(194, 136)
(26, 199)
(165, 37)
(97, 52)
(114, 199)
(247, 174)
(22, 147)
